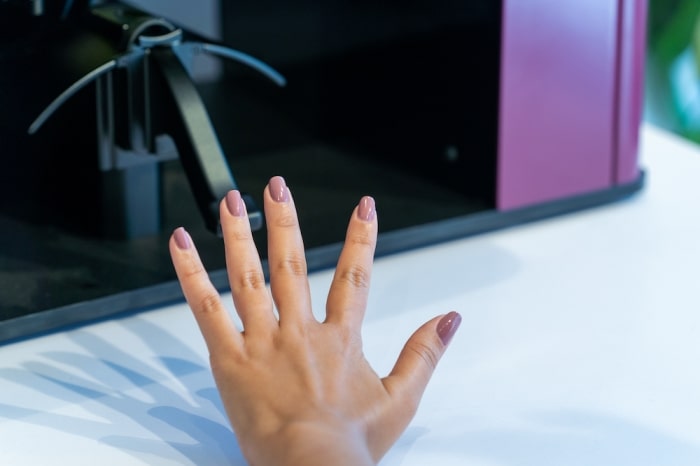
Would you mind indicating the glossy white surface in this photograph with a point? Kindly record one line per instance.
(579, 346)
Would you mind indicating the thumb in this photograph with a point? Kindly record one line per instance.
(419, 358)
(409, 377)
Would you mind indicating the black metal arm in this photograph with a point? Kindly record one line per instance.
(156, 96)
(183, 116)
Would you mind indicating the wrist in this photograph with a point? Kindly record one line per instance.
(313, 444)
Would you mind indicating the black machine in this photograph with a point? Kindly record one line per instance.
(97, 98)
(109, 140)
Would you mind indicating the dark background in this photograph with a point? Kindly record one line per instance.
(398, 101)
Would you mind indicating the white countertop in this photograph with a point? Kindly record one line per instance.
(580, 345)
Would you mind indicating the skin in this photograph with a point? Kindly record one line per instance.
(296, 390)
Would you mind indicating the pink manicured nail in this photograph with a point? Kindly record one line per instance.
(447, 326)
(278, 189)
(234, 203)
(366, 209)
(182, 238)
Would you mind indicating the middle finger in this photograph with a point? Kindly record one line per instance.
(286, 259)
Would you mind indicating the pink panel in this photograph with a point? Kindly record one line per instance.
(633, 23)
(557, 99)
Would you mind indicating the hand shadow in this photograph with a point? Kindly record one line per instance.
(186, 422)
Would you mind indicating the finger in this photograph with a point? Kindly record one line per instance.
(417, 362)
(216, 326)
(288, 281)
(347, 298)
(245, 274)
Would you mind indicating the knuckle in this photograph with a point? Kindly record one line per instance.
(356, 275)
(426, 353)
(360, 239)
(209, 303)
(193, 269)
(293, 264)
(344, 336)
(286, 220)
(241, 235)
(350, 339)
(251, 280)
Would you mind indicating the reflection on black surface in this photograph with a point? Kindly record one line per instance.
(397, 101)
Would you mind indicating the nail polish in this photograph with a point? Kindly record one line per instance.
(182, 238)
(366, 209)
(234, 203)
(447, 326)
(278, 189)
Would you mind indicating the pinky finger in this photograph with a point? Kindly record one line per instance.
(217, 328)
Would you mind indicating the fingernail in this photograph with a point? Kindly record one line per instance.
(447, 326)
(366, 209)
(182, 238)
(234, 203)
(278, 189)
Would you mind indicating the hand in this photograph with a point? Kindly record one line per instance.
(299, 391)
